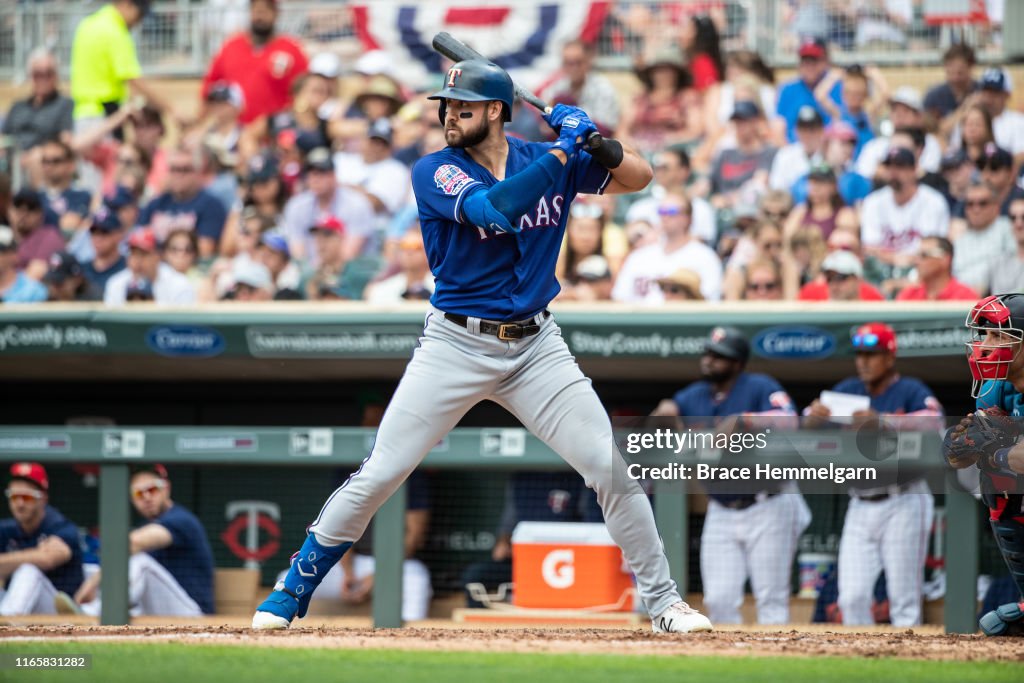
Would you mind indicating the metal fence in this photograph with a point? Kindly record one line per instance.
(179, 37)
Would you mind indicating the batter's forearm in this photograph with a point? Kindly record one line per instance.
(632, 175)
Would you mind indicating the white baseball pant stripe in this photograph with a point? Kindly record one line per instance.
(758, 543)
(416, 589)
(152, 590)
(28, 592)
(890, 534)
(538, 381)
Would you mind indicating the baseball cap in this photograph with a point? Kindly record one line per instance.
(841, 130)
(248, 272)
(813, 48)
(381, 129)
(105, 220)
(953, 158)
(728, 342)
(373, 63)
(899, 156)
(745, 110)
(7, 238)
(62, 266)
(121, 198)
(32, 472)
(142, 238)
(995, 158)
(821, 171)
(842, 262)
(139, 290)
(874, 337)
(996, 79)
(809, 117)
(325, 64)
(320, 159)
(152, 468)
(262, 167)
(593, 268)
(223, 91)
(27, 198)
(329, 223)
(687, 279)
(908, 96)
(277, 243)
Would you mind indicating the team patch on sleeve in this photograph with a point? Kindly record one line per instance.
(780, 400)
(451, 179)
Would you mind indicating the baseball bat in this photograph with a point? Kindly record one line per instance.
(456, 50)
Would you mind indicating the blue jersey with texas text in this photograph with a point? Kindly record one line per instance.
(489, 275)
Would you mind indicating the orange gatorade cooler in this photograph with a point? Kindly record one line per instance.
(569, 565)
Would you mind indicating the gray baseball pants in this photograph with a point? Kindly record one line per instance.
(538, 381)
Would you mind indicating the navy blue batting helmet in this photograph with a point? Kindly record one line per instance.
(476, 80)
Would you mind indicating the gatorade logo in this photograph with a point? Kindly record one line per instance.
(558, 570)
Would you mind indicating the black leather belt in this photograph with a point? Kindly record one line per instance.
(879, 497)
(503, 331)
(748, 501)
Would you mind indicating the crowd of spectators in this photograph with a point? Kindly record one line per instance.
(291, 182)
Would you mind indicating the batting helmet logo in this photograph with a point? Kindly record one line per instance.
(452, 75)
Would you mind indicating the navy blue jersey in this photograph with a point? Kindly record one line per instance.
(188, 557)
(68, 576)
(203, 214)
(99, 278)
(1002, 394)
(548, 497)
(905, 396)
(68, 201)
(496, 276)
(750, 393)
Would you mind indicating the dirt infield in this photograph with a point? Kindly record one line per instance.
(804, 643)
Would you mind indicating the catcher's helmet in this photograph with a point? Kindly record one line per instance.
(990, 359)
(475, 80)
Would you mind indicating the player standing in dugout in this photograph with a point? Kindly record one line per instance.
(493, 211)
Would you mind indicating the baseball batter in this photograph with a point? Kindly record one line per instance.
(493, 211)
(983, 439)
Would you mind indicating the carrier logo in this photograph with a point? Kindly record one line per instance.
(185, 340)
(557, 568)
(794, 343)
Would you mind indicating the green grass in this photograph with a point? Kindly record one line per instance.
(183, 663)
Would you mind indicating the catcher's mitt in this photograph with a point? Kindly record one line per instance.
(978, 437)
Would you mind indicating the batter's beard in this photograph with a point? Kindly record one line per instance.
(716, 377)
(470, 138)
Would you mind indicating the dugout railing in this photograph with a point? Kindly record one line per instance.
(116, 449)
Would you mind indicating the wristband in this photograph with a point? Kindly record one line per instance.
(1001, 460)
(609, 154)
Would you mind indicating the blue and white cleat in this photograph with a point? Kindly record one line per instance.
(290, 598)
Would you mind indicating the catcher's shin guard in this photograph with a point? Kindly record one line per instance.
(1010, 539)
(291, 596)
(1008, 619)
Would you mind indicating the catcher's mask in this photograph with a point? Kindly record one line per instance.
(990, 357)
